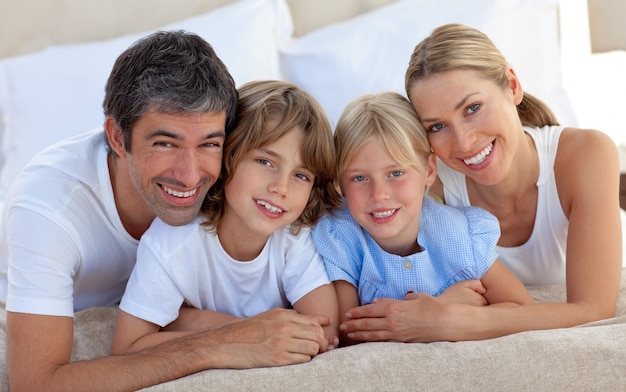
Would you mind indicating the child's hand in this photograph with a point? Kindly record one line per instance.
(469, 292)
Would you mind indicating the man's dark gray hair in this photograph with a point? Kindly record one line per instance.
(173, 72)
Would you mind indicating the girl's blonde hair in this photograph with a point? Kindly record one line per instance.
(388, 116)
(267, 111)
(455, 46)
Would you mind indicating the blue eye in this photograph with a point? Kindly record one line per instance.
(473, 108)
(436, 127)
(396, 173)
(358, 178)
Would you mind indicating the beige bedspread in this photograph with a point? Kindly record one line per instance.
(590, 357)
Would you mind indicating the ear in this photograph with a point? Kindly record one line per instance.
(431, 169)
(515, 85)
(114, 134)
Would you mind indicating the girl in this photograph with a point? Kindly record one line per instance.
(391, 239)
(250, 249)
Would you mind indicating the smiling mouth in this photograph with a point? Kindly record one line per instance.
(383, 214)
(271, 208)
(480, 157)
(179, 194)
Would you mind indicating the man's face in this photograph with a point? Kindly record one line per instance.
(173, 161)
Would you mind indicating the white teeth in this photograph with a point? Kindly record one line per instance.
(180, 194)
(383, 214)
(269, 207)
(480, 157)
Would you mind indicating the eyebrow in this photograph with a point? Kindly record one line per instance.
(392, 167)
(165, 133)
(459, 105)
(270, 152)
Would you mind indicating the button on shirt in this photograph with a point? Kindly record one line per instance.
(458, 244)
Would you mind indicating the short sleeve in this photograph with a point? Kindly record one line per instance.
(152, 294)
(336, 238)
(40, 272)
(304, 268)
(484, 232)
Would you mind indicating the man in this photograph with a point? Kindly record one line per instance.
(73, 219)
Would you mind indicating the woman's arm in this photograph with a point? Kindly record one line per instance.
(587, 178)
(322, 303)
(502, 287)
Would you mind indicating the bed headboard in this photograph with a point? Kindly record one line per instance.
(25, 29)
(54, 59)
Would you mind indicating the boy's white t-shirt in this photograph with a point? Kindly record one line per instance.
(63, 247)
(179, 265)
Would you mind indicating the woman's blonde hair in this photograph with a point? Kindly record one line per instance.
(455, 46)
(268, 110)
(388, 116)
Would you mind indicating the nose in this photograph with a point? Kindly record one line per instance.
(464, 137)
(188, 168)
(379, 190)
(279, 185)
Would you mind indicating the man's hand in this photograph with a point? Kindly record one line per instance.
(277, 337)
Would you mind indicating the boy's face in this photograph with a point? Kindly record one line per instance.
(385, 198)
(269, 189)
(173, 161)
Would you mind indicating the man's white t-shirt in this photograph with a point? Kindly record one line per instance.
(63, 247)
(187, 265)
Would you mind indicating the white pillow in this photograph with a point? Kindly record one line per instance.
(58, 92)
(370, 53)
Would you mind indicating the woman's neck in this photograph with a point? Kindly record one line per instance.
(514, 199)
(519, 181)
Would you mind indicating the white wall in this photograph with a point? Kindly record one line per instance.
(595, 82)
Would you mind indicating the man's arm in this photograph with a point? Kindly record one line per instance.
(39, 350)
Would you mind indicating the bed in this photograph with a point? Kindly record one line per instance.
(52, 84)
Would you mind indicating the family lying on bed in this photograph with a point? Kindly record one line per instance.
(255, 260)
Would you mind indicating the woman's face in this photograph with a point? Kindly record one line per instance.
(472, 122)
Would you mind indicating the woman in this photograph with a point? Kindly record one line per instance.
(553, 189)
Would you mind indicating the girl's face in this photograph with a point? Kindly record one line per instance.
(269, 189)
(472, 123)
(385, 198)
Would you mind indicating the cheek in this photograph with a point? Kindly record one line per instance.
(355, 198)
(213, 164)
(439, 143)
(303, 193)
(348, 190)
